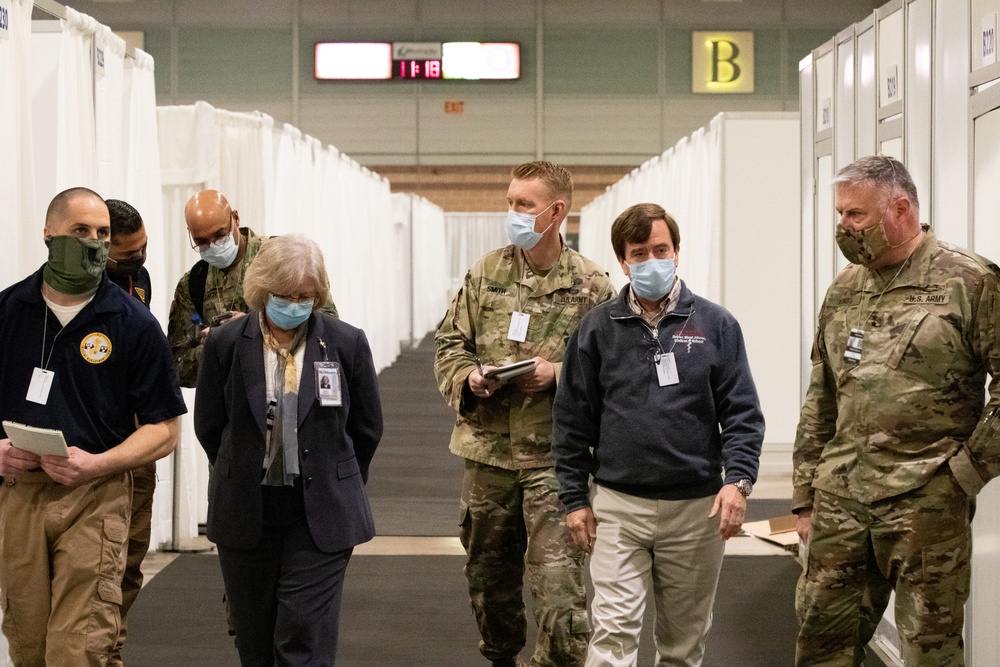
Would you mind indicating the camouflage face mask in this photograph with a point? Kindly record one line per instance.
(75, 265)
(863, 246)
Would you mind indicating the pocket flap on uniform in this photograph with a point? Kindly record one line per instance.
(115, 529)
(348, 468)
(109, 591)
(904, 339)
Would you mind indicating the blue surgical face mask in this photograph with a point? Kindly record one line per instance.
(653, 278)
(221, 254)
(521, 228)
(286, 314)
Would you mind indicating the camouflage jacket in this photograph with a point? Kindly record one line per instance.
(223, 294)
(511, 429)
(881, 426)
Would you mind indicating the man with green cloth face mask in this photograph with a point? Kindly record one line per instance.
(80, 356)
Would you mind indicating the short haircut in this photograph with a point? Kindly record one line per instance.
(285, 265)
(559, 180)
(635, 224)
(886, 174)
(60, 203)
(125, 220)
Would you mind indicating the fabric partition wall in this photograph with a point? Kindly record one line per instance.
(109, 112)
(469, 236)
(686, 182)
(19, 216)
(431, 281)
(63, 106)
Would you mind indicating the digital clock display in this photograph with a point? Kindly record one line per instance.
(409, 61)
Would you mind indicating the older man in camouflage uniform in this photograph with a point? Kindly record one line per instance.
(519, 302)
(894, 441)
(211, 293)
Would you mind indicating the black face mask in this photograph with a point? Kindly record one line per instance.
(123, 268)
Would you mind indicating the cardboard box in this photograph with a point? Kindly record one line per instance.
(778, 530)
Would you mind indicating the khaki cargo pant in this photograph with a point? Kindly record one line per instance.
(511, 518)
(62, 555)
(918, 543)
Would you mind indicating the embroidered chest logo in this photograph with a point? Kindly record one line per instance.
(95, 348)
(496, 289)
(689, 337)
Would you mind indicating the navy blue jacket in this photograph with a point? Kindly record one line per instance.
(111, 362)
(336, 444)
(669, 442)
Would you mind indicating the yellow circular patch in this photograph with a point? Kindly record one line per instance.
(95, 348)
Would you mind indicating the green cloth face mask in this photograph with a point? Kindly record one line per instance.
(75, 265)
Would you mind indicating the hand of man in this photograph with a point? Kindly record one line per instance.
(541, 379)
(14, 461)
(74, 470)
(734, 508)
(583, 528)
(803, 525)
(483, 387)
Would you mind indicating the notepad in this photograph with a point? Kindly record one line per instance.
(37, 440)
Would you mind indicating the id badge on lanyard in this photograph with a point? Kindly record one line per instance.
(328, 389)
(666, 369)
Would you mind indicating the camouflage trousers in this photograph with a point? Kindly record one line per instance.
(513, 518)
(918, 543)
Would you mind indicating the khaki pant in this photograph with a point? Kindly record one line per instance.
(62, 555)
(140, 527)
(671, 544)
(919, 543)
(511, 518)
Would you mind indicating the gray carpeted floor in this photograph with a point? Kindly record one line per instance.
(413, 611)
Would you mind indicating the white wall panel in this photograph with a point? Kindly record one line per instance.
(867, 91)
(807, 220)
(950, 198)
(845, 108)
(891, 63)
(823, 70)
(917, 135)
(984, 641)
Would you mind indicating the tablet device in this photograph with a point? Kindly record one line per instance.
(511, 370)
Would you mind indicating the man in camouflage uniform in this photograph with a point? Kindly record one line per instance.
(519, 302)
(894, 441)
(214, 229)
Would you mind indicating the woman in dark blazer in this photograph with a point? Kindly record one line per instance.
(287, 500)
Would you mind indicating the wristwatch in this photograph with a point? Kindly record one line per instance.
(744, 487)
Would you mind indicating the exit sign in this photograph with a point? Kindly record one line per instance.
(454, 106)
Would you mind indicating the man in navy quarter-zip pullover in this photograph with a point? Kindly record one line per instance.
(656, 402)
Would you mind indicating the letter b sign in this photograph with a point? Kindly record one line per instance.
(722, 62)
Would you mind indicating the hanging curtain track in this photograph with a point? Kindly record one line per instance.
(53, 8)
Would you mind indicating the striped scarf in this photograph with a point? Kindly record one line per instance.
(281, 457)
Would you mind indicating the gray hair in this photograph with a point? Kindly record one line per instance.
(886, 174)
(286, 265)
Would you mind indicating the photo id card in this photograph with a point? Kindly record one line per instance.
(518, 327)
(328, 383)
(666, 370)
(41, 383)
(854, 342)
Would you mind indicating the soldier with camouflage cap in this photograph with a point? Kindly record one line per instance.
(519, 302)
(894, 441)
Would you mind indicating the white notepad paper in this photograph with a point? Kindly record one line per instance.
(37, 440)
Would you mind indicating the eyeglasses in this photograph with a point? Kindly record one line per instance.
(217, 238)
(298, 298)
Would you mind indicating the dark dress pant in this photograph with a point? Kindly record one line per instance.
(284, 595)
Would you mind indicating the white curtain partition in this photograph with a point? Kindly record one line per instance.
(18, 216)
(109, 112)
(469, 236)
(65, 142)
(686, 182)
(423, 283)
